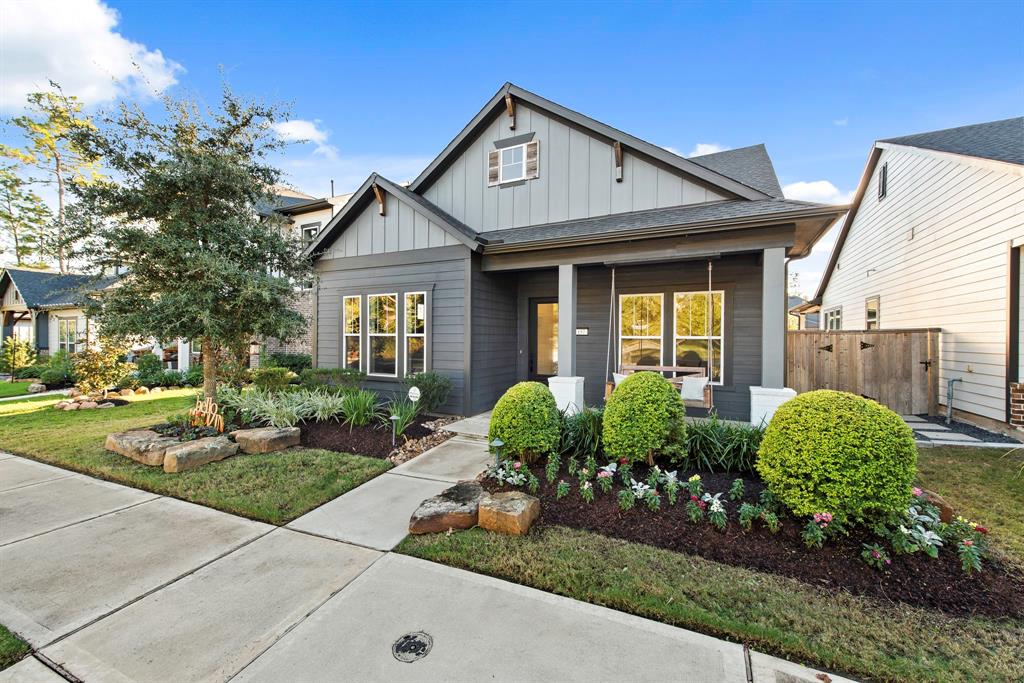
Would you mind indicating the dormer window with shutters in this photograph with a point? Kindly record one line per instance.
(514, 163)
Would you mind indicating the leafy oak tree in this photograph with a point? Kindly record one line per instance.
(183, 217)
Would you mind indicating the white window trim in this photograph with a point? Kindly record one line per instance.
(302, 232)
(406, 334)
(703, 337)
(63, 345)
(501, 166)
(661, 326)
(838, 310)
(344, 330)
(878, 311)
(370, 334)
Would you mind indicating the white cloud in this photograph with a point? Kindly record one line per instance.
(703, 148)
(301, 130)
(821, 191)
(74, 42)
(841, 122)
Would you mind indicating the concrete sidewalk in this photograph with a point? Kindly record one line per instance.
(138, 587)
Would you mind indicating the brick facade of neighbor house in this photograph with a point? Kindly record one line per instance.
(1017, 404)
(303, 343)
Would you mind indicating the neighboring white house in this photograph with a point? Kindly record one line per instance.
(933, 239)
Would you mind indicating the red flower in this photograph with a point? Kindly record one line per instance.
(695, 499)
(981, 530)
(968, 543)
(623, 461)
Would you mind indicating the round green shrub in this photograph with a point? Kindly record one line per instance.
(527, 420)
(644, 417)
(831, 451)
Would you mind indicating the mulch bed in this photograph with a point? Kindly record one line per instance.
(912, 579)
(373, 441)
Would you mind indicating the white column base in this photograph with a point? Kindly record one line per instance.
(764, 401)
(568, 392)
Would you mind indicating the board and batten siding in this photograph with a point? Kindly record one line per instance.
(402, 228)
(445, 281)
(738, 276)
(935, 251)
(576, 179)
(493, 336)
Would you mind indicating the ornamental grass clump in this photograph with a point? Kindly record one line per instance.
(526, 419)
(834, 451)
(644, 417)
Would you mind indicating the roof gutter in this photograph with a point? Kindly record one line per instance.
(714, 225)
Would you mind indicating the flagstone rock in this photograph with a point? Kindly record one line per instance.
(191, 454)
(510, 512)
(142, 445)
(86, 405)
(454, 508)
(71, 406)
(106, 405)
(267, 439)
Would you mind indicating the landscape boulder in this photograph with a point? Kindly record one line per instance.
(142, 445)
(60, 405)
(106, 405)
(945, 509)
(72, 406)
(454, 508)
(36, 388)
(86, 405)
(73, 392)
(191, 454)
(267, 439)
(511, 512)
(142, 390)
(156, 390)
(127, 392)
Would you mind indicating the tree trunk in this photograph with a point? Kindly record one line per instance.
(209, 370)
(59, 172)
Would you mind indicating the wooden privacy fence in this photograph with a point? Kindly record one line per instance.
(897, 368)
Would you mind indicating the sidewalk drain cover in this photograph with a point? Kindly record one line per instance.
(412, 646)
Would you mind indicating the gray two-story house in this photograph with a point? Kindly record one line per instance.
(542, 244)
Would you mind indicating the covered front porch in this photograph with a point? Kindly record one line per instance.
(573, 319)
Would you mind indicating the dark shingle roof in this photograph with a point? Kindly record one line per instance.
(998, 140)
(672, 216)
(279, 201)
(42, 289)
(749, 165)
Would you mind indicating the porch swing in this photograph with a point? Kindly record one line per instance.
(694, 384)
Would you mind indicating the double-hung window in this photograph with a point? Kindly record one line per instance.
(67, 334)
(872, 313)
(382, 333)
(834, 319)
(640, 329)
(415, 332)
(513, 163)
(696, 343)
(352, 331)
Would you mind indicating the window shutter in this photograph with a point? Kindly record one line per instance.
(532, 159)
(493, 166)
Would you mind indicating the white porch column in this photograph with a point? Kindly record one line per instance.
(772, 393)
(567, 387)
(184, 355)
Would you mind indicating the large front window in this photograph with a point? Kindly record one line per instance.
(352, 332)
(640, 329)
(415, 332)
(67, 334)
(697, 344)
(383, 334)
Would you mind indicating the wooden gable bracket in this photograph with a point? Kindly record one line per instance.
(617, 149)
(380, 194)
(510, 106)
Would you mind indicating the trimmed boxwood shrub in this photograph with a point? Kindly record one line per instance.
(526, 418)
(831, 451)
(643, 417)
(272, 379)
(434, 389)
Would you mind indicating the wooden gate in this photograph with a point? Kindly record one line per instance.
(897, 368)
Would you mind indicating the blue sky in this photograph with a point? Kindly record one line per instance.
(384, 86)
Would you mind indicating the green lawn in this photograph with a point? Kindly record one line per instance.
(13, 388)
(273, 488)
(12, 648)
(860, 636)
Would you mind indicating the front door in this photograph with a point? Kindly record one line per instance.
(543, 338)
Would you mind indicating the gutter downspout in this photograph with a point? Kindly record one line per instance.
(949, 397)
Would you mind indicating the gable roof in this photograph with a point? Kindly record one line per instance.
(364, 195)
(997, 140)
(497, 103)
(43, 289)
(750, 165)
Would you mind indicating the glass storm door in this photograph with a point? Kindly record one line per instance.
(543, 338)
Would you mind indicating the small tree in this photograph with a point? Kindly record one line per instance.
(184, 217)
(16, 354)
(100, 367)
(51, 129)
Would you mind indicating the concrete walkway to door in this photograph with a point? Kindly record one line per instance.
(108, 583)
